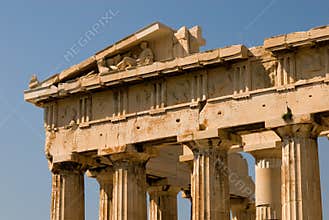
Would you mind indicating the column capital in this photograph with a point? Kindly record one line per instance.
(68, 167)
(129, 157)
(308, 130)
(239, 203)
(213, 138)
(73, 161)
(101, 174)
(274, 153)
(210, 138)
(166, 189)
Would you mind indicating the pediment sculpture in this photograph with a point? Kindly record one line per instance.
(136, 57)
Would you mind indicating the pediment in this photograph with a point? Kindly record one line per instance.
(153, 43)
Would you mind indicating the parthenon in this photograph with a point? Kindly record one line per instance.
(152, 114)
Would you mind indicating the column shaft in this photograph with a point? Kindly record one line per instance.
(163, 205)
(243, 209)
(268, 187)
(129, 190)
(105, 199)
(301, 192)
(251, 213)
(56, 193)
(67, 196)
(210, 185)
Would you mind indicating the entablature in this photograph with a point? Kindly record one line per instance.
(243, 89)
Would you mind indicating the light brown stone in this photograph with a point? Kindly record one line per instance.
(210, 180)
(129, 189)
(163, 202)
(67, 198)
(104, 177)
(301, 190)
(132, 108)
(242, 209)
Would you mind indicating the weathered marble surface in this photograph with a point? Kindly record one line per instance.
(152, 112)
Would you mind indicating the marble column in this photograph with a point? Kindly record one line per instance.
(163, 202)
(210, 182)
(251, 211)
(268, 184)
(129, 188)
(105, 180)
(242, 210)
(301, 191)
(67, 202)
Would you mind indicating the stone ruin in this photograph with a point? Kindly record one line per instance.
(151, 113)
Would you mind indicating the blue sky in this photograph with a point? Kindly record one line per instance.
(36, 35)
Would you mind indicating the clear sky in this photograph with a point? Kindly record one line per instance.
(36, 35)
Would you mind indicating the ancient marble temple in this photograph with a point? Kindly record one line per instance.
(152, 114)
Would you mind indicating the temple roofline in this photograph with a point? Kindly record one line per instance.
(133, 39)
(73, 79)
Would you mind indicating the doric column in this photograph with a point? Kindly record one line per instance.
(268, 183)
(129, 187)
(163, 202)
(105, 181)
(210, 182)
(242, 209)
(104, 177)
(251, 211)
(67, 202)
(300, 192)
